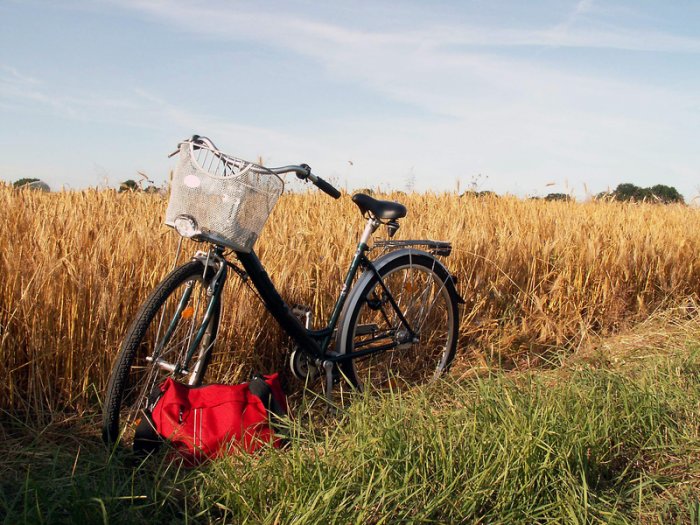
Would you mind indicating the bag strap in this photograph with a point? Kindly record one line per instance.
(260, 389)
(146, 438)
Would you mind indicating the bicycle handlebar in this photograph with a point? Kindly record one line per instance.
(303, 171)
(326, 187)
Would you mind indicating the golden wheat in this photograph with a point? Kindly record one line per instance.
(535, 275)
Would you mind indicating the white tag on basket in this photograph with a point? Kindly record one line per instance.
(192, 181)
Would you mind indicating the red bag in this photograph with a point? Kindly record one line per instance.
(211, 421)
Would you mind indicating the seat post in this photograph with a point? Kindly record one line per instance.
(372, 225)
(370, 228)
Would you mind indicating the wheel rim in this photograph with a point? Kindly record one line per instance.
(146, 375)
(425, 301)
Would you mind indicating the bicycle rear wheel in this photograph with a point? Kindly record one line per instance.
(424, 293)
(156, 345)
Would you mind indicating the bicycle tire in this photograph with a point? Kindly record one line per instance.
(407, 363)
(127, 389)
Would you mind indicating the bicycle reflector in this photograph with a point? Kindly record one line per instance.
(186, 226)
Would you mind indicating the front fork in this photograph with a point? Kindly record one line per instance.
(215, 260)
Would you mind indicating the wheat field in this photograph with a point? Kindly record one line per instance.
(537, 277)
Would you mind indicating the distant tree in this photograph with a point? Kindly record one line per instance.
(23, 182)
(558, 197)
(35, 184)
(628, 192)
(129, 185)
(477, 194)
(368, 191)
(659, 193)
(666, 194)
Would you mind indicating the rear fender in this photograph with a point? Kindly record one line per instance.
(355, 294)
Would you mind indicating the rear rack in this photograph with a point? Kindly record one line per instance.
(443, 248)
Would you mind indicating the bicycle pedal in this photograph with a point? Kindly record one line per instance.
(303, 313)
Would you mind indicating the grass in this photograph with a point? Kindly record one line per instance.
(531, 426)
(593, 441)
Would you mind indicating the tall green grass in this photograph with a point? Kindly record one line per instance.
(576, 445)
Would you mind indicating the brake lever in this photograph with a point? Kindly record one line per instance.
(304, 176)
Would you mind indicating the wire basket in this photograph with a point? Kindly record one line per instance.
(224, 199)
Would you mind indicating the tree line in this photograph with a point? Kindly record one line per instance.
(625, 192)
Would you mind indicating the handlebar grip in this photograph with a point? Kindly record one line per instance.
(326, 187)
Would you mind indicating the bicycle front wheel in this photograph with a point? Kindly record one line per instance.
(156, 346)
(423, 291)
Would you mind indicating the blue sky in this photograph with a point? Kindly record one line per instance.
(535, 97)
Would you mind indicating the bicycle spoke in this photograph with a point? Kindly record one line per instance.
(432, 304)
(159, 343)
(415, 292)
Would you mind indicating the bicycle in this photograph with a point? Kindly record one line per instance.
(397, 321)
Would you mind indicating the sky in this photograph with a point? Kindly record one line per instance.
(519, 97)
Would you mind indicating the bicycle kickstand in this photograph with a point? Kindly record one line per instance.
(328, 369)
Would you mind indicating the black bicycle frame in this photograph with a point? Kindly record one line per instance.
(276, 305)
(316, 341)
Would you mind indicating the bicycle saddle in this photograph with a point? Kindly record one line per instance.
(380, 209)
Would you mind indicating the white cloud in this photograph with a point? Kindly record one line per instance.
(436, 68)
(283, 26)
(478, 108)
(11, 75)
